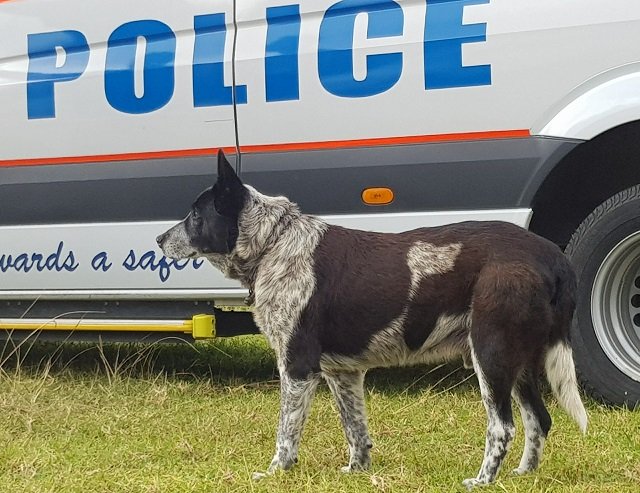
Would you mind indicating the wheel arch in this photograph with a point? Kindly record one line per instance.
(601, 102)
(587, 176)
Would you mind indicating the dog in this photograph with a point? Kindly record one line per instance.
(334, 302)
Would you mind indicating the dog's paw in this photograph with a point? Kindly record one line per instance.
(519, 471)
(355, 467)
(471, 483)
(351, 468)
(287, 463)
(257, 476)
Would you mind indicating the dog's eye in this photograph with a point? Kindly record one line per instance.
(196, 220)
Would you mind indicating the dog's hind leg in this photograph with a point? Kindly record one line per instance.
(347, 388)
(511, 320)
(296, 396)
(535, 419)
(495, 388)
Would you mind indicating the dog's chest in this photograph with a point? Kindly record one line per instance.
(280, 298)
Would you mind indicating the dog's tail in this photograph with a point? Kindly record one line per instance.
(561, 373)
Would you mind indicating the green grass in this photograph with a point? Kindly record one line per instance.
(183, 419)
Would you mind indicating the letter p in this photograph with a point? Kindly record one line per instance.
(44, 70)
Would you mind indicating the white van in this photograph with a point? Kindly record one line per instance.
(376, 114)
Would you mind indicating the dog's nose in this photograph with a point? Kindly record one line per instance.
(160, 239)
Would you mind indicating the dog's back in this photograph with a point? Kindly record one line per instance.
(422, 289)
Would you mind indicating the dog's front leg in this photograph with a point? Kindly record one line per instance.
(295, 402)
(347, 388)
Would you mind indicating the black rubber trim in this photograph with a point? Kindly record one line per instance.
(486, 174)
(471, 175)
(152, 189)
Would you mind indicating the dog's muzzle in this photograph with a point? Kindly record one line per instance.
(175, 243)
(161, 238)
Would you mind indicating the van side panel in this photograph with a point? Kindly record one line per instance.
(450, 176)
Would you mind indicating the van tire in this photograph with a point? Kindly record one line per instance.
(605, 335)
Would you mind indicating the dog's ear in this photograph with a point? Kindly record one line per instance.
(226, 173)
(229, 192)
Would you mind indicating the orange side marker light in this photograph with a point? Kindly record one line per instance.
(377, 196)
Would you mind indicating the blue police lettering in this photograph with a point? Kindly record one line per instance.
(443, 40)
(208, 64)
(158, 67)
(152, 261)
(335, 48)
(24, 262)
(101, 262)
(43, 73)
(281, 73)
(444, 37)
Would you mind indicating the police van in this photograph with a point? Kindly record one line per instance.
(375, 114)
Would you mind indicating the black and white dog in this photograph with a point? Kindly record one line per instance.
(334, 302)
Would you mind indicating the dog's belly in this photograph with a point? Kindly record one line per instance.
(447, 341)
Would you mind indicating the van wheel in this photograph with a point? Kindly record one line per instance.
(605, 252)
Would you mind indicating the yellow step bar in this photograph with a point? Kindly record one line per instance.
(200, 326)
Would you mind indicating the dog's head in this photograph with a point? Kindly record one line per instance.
(211, 227)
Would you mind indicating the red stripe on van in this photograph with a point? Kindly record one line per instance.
(103, 158)
(386, 141)
(297, 146)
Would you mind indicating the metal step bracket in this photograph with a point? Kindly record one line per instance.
(202, 326)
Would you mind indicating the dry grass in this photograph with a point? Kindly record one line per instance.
(180, 419)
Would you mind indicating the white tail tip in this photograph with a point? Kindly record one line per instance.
(561, 374)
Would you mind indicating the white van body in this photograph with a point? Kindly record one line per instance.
(112, 111)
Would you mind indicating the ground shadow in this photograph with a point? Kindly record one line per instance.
(245, 360)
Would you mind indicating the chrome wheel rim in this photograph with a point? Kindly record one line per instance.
(615, 306)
